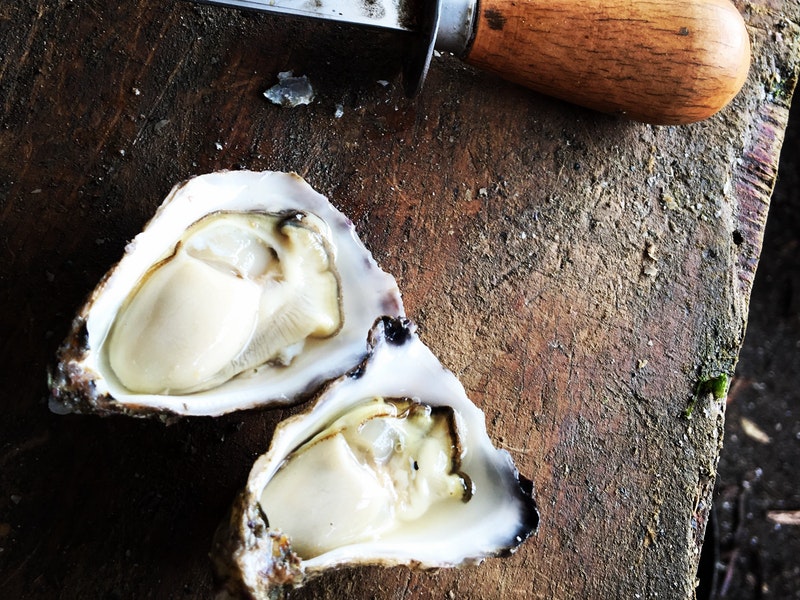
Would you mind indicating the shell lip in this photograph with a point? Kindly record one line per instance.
(529, 522)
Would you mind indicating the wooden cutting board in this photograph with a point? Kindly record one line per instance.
(587, 278)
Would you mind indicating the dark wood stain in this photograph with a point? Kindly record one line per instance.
(495, 19)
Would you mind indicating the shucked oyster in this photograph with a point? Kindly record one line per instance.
(391, 466)
(244, 289)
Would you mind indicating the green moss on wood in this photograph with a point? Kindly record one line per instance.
(717, 386)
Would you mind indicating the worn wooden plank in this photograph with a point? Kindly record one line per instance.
(579, 273)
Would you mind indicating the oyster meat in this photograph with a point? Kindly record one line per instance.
(391, 466)
(245, 289)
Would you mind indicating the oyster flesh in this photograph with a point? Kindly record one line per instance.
(244, 289)
(391, 466)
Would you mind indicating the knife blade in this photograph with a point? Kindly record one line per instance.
(379, 13)
(665, 63)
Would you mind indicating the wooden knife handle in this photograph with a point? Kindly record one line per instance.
(664, 62)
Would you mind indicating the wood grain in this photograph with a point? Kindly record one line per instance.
(581, 274)
(666, 63)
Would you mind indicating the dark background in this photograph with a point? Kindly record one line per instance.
(758, 469)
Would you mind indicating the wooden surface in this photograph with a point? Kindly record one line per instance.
(582, 275)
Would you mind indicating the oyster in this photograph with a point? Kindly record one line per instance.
(244, 289)
(391, 466)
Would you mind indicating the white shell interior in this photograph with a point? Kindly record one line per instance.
(367, 292)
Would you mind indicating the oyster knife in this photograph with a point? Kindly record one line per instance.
(659, 62)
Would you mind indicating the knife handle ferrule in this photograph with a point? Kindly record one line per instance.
(456, 25)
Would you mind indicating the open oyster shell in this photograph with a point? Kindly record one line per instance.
(245, 289)
(391, 466)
